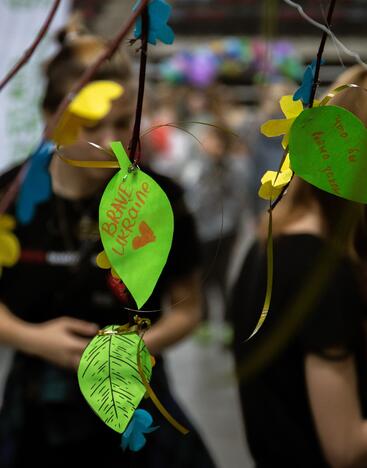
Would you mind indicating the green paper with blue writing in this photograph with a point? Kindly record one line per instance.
(136, 226)
(328, 149)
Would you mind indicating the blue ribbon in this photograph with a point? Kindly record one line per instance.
(36, 187)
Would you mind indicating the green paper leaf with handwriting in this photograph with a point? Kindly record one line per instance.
(136, 227)
(109, 378)
(328, 149)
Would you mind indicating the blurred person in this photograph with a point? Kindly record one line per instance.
(215, 182)
(199, 103)
(303, 376)
(52, 306)
(171, 147)
(166, 147)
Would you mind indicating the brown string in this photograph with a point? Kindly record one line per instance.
(135, 142)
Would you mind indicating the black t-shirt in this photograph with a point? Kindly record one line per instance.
(57, 274)
(316, 305)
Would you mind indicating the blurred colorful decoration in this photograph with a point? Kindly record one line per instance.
(9, 244)
(303, 93)
(36, 187)
(230, 58)
(89, 106)
(203, 68)
(136, 227)
(159, 13)
(140, 424)
(273, 182)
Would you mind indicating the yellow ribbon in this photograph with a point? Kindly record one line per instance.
(99, 164)
(269, 282)
(155, 399)
(336, 91)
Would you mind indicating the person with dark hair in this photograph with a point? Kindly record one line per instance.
(303, 376)
(54, 300)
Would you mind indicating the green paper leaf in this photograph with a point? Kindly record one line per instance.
(136, 226)
(328, 149)
(109, 378)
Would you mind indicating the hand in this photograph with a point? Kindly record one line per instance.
(60, 341)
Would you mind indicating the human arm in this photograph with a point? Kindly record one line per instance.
(182, 317)
(333, 394)
(60, 341)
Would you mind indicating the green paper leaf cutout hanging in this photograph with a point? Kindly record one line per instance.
(136, 227)
(328, 149)
(109, 378)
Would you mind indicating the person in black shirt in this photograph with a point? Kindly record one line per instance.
(303, 376)
(54, 300)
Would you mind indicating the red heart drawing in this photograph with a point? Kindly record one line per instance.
(147, 236)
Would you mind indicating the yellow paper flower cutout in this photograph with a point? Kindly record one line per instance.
(273, 182)
(9, 244)
(89, 106)
(103, 262)
(291, 109)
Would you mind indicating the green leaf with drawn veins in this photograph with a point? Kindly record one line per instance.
(109, 378)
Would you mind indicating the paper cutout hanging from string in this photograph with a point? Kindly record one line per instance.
(9, 244)
(273, 182)
(140, 424)
(303, 93)
(90, 105)
(109, 378)
(328, 149)
(333, 130)
(159, 13)
(291, 109)
(136, 227)
(36, 187)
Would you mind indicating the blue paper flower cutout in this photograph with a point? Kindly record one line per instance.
(140, 424)
(36, 186)
(159, 12)
(303, 93)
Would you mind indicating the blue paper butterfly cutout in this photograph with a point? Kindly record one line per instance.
(304, 91)
(140, 424)
(159, 12)
(36, 186)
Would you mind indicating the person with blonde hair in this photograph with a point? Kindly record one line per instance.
(303, 376)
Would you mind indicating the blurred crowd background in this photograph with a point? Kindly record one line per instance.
(222, 78)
